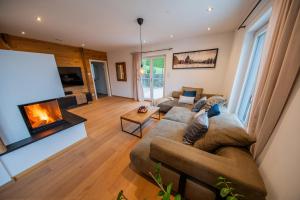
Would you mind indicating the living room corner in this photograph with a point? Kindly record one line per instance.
(145, 99)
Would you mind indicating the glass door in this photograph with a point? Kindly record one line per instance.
(250, 83)
(153, 77)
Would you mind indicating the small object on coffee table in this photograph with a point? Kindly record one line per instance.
(142, 109)
(139, 118)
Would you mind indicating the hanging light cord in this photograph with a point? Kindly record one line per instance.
(141, 44)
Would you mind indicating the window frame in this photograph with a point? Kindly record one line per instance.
(256, 35)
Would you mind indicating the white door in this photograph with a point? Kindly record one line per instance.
(153, 78)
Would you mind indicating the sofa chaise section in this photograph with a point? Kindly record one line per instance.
(163, 144)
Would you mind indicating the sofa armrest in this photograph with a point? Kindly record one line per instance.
(201, 165)
(176, 94)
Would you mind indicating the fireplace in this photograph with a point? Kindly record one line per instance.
(42, 115)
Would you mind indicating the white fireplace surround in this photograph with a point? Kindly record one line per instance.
(24, 78)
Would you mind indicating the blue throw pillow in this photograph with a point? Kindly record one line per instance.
(189, 93)
(213, 111)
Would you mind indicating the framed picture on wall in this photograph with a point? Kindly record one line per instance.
(121, 71)
(195, 59)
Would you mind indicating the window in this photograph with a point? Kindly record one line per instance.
(251, 77)
(153, 77)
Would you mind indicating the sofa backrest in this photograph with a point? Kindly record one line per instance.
(176, 94)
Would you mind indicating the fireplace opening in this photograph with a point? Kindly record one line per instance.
(42, 115)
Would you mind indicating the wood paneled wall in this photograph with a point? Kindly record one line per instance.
(64, 55)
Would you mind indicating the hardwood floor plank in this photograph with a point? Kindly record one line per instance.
(96, 168)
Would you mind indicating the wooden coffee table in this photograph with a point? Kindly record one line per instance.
(139, 118)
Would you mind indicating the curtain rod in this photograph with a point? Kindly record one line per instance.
(169, 49)
(242, 24)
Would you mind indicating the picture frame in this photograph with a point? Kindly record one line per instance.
(195, 59)
(121, 71)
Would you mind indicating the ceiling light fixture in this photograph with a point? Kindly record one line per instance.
(140, 22)
(39, 19)
(171, 36)
(208, 28)
(209, 9)
(82, 45)
(23, 33)
(144, 41)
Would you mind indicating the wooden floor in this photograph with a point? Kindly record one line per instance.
(95, 168)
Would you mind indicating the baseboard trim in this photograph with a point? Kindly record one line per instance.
(123, 97)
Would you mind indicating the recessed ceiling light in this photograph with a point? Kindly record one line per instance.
(171, 36)
(38, 18)
(23, 33)
(82, 45)
(208, 28)
(209, 9)
(144, 41)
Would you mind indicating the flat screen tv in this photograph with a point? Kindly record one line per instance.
(70, 76)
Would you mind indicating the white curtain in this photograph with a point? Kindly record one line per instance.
(137, 83)
(279, 72)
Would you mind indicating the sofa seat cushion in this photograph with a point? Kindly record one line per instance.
(165, 128)
(180, 114)
(224, 130)
(168, 105)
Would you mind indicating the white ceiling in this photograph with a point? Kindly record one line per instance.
(110, 24)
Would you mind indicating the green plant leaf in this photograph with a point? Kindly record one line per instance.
(157, 168)
(160, 193)
(120, 194)
(224, 192)
(239, 195)
(166, 196)
(177, 197)
(219, 183)
(221, 178)
(231, 198)
(159, 179)
(169, 188)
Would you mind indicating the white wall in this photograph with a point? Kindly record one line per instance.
(121, 88)
(24, 78)
(4, 176)
(280, 161)
(210, 79)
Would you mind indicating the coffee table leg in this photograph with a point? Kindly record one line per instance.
(140, 127)
(141, 133)
(121, 124)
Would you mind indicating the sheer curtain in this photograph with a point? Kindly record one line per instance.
(279, 72)
(137, 84)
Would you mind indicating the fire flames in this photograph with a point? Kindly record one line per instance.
(43, 113)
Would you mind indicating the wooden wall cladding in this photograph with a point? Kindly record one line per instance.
(64, 55)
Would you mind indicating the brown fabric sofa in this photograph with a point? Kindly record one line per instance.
(200, 169)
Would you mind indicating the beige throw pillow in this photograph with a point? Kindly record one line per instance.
(187, 100)
(224, 130)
